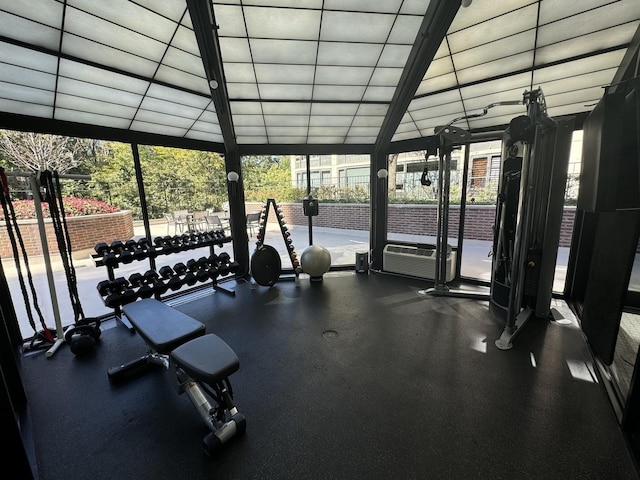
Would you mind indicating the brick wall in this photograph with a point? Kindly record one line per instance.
(408, 219)
(84, 232)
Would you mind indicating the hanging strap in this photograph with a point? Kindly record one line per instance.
(14, 233)
(51, 182)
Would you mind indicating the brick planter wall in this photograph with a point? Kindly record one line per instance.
(84, 232)
(408, 219)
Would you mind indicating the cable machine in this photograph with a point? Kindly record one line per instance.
(34, 183)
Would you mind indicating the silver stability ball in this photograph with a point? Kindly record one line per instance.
(315, 261)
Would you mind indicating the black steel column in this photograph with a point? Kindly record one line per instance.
(143, 198)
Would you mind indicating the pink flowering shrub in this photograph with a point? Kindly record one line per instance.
(73, 207)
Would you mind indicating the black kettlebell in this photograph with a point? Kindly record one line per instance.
(83, 337)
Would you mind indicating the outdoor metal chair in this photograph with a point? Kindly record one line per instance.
(173, 222)
(253, 222)
(214, 222)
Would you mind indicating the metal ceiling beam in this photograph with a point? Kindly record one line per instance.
(206, 31)
(435, 24)
(25, 123)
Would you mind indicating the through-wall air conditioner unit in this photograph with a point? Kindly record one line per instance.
(415, 261)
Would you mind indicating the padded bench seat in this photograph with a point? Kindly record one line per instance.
(162, 327)
(208, 359)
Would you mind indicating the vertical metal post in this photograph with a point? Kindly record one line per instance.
(143, 198)
(309, 193)
(442, 234)
(35, 188)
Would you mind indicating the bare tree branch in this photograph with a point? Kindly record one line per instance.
(34, 151)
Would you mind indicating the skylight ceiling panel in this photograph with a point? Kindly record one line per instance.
(407, 126)
(551, 10)
(274, 73)
(158, 129)
(597, 79)
(242, 90)
(230, 21)
(360, 140)
(241, 120)
(292, 52)
(173, 76)
(499, 49)
(184, 61)
(286, 120)
(111, 57)
(128, 16)
(405, 29)
(285, 108)
(286, 131)
(394, 56)
(337, 109)
(427, 125)
(25, 108)
(355, 27)
(332, 75)
(454, 109)
(338, 93)
(117, 37)
(513, 82)
(27, 77)
(488, 122)
(349, 54)
(235, 50)
(172, 9)
(98, 93)
(152, 116)
(178, 96)
(325, 140)
(30, 32)
(45, 12)
(291, 140)
(610, 37)
(504, 26)
(373, 109)
(277, 91)
(246, 108)
(330, 121)
(249, 140)
(439, 67)
(280, 3)
(378, 94)
(282, 23)
(563, 110)
(170, 108)
(576, 68)
(441, 82)
(205, 136)
(428, 101)
(98, 76)
(588, 22)
(209, 117)
(239, 73)
(250, 131)
(386, 77)
(185, 39)
(410, 135)
(90, 105)
(580, 98)
(367, 121)
(477, 104)
(376, 6)
(20, 93)
(497, 67)
(91, 118)
(483, 10)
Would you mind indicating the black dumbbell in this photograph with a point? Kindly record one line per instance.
(101, 248)
(159, 286)
(174, 283)
(193, 265)
(166, 272)
(136, 279)
(107, 287)
(203, 275)
(145, 291)
(190, 278)
(180, 268)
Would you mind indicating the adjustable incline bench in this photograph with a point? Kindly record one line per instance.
(203, 364)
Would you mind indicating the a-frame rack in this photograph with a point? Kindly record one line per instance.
(286, 236)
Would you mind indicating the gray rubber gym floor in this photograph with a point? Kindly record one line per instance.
(356, 377)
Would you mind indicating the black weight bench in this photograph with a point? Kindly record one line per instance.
(202, 362)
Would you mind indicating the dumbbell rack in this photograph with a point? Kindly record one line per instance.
(130, 251)
(284, 230)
